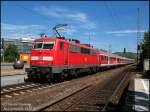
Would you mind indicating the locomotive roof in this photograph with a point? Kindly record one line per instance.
(70, 42)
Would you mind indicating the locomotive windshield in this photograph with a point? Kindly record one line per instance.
(48, 45)
(44, 45)
(37, 45)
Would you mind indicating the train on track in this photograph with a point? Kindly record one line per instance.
(57, 58)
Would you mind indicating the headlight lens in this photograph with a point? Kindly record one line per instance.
(47, 58)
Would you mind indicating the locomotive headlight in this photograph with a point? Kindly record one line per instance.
(47, 58)
(34, 58)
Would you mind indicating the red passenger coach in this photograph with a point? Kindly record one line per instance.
(103, 57)
(113, 60)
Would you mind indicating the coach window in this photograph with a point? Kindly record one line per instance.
(111, 59)
(61, 45)
(103, 58)
(106, 58)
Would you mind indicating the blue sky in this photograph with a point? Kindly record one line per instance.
(107, 23)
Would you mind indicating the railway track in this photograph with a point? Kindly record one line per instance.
(92, 93)
(96, 97)
(9, 90)
(15, 90)
(12, 89)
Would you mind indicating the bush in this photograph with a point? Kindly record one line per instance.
(11, 53)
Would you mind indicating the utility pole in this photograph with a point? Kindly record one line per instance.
(110, 48)
(138, 34)
(2, 47)
(89, 38)
(91, 35)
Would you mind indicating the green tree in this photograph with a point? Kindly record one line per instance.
(145, 48)
(11, 53)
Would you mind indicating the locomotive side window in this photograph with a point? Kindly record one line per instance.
(74, 48)
(93, 52)
(85, 50)
(61, 45)
(78, 49)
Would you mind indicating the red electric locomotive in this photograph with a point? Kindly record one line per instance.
(54, 58)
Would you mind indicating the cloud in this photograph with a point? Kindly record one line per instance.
(124, 32)
(12, 27)
(16, 31)
(79, 18)
(120, 35)
(9, 30)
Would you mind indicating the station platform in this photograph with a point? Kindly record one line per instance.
(10, 80)
(140, 89)
(10, 71)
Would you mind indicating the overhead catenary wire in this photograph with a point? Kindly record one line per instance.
(113, 16)
(116, 17)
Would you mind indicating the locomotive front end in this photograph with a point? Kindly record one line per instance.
(41, 61)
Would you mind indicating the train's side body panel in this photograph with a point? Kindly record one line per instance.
(78, 58)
